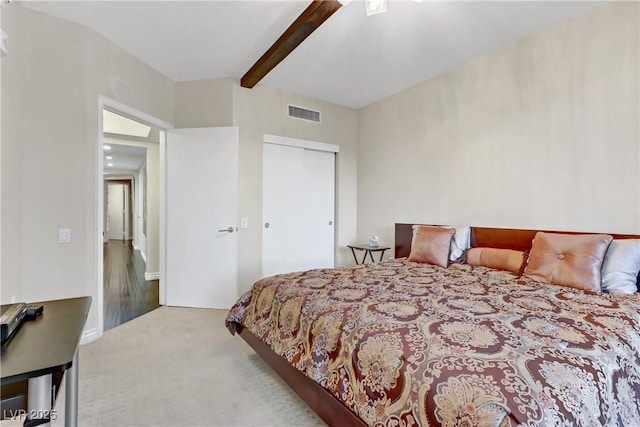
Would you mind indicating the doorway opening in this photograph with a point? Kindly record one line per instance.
(130, 238)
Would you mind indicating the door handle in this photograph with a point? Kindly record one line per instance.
(227, 230)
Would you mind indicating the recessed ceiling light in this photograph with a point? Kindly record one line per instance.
(110, 164)
(374, 7)
(108, 157)
(106, 147)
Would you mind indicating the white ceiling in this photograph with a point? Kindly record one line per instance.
(125, 159)
(351, 60)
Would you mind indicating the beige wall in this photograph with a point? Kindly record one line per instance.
(204, 103)
(263, 110)
(10, 290)
(543, 133)
(260, 111)
(56, 72)
(540, 134)
(50, 85)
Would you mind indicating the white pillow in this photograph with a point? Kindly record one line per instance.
(621, 266)
(460, 242)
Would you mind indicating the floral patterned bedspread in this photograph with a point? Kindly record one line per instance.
(402, 343)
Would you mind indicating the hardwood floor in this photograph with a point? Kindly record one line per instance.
(126, 294)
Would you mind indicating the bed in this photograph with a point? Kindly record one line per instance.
(410, 343)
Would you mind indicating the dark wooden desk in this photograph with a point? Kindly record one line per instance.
(42, 347)
(367, 250)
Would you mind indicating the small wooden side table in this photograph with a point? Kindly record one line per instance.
(367, 250)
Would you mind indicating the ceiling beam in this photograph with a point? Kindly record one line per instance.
(308, 21)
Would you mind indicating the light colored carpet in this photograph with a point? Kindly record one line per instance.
(180, 367)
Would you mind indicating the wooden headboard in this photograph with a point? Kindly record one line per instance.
(503, 238)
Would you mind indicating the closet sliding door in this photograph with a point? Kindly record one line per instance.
(298, 203)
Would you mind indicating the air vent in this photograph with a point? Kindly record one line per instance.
(304, 114)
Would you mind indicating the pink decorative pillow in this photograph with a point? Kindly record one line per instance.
(431, 245)
(459, 243)
(500, 259)
(571, 260)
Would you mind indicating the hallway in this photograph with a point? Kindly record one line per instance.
(126, 293)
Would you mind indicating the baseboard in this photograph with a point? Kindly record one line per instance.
(136, 247)
(89, 335)
(151, 276)
(144, 257)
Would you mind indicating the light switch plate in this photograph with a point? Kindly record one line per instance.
(244, 222)
(64, 235)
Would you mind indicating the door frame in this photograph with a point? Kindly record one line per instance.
(105, 103)
(300, 143)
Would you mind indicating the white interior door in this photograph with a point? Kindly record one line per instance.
(298, 209)
(202, 211)
(116, 211)
(318, 199)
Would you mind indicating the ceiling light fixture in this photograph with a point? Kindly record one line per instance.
(108, 157)
(110, 165)
(373, 7)
(106, 147)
